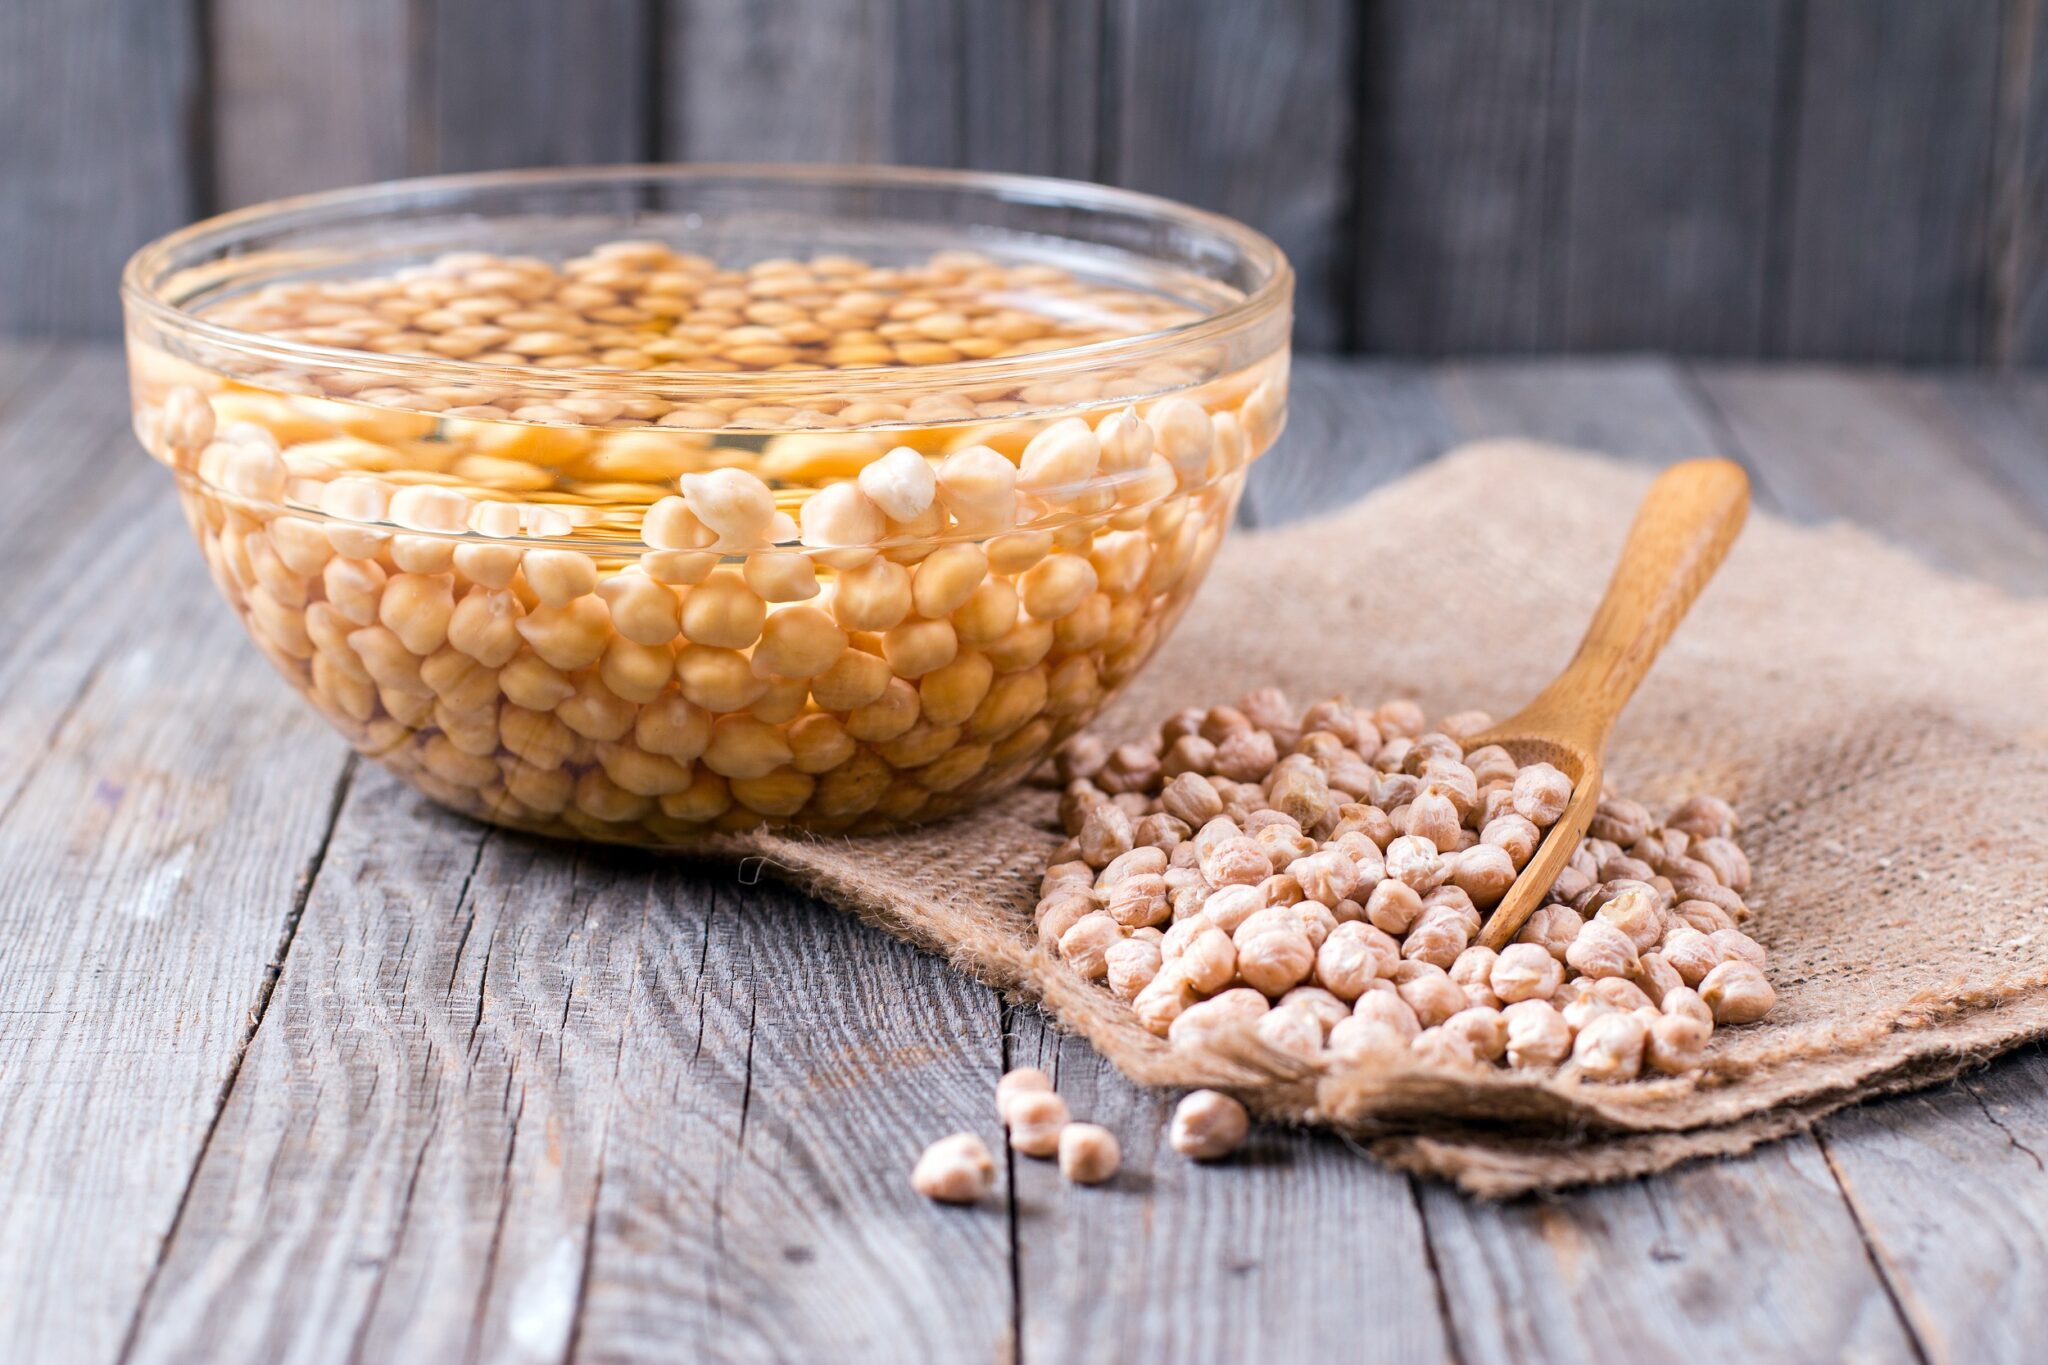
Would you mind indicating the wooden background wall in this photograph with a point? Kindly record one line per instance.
(1855, 179)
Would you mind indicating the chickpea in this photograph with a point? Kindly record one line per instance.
(901, 484)
(1085, 946)
(1541, 793)
(567, 637)
(1034, 1119)
(1208, 1126)
(955, 1170)
(1018, 1081)
(856, 680)
(1610, 1047)
(1737, 992)
(1537, 1035)
(723, 612)
(979, 487)
(781, 576)
(1089, 1154)
(721, 680)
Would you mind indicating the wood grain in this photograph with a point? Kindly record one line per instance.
(101, 102)
(1919, 1168)
(2002, 427)
(1351, 426)
(534, 83)
(1967, 1155)
(783, 1067)
(1886, 234)
(1245, 109)
(1836, 444)
(1032, 87)
(1758, 1256)
(1667, 206)
(308, 97)
(745, 81)
(147, 874)
(1462, 146)
(1281, 1252)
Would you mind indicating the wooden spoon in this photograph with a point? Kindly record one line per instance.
(1682, 532)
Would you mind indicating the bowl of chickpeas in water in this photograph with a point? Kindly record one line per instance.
(636, 504)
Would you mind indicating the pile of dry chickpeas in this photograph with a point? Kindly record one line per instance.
(635, 616)
(1321, 875)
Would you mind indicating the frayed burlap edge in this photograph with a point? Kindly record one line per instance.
(1495, 1133)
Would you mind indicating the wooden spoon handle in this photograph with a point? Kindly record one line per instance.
(1682, 532)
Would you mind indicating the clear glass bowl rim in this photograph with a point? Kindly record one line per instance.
(159, 262)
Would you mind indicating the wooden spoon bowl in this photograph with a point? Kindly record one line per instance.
(1682, 532)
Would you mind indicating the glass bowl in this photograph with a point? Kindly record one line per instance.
(635, 503)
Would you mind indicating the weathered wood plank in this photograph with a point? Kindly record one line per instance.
(1950, 1186)
(779, 82)
(1281, 1253)
(1463, 142)
(1351, 425)
(1635, 408)
(1245, 109)
(783, 1067)
(414, 1134)
(518, 1098)
(100, 101)
(1755, 1258)
(146, 883)
(309, 97)
(67, 454)
(1839, 444)
(1759, 1253)
(1030, 82)
(534, 83)
(1664, 234)
(2006, 421)
(1886, 235)
(2018, 330)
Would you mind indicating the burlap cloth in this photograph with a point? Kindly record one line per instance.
(1882, 728)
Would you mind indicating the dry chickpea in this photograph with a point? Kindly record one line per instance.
(1034, 1119)
(1600, 949)
(955, 1170)
(1676, 1043)
(1089, 1153)
(1018, 1081)
(1208, 1126)
(1541, 794)
(1610, 1047)
(1132, 965)
(1737, 992)
(1537, 1034)
(1086, 945)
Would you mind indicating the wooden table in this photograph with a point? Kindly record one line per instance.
(293, 1065)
